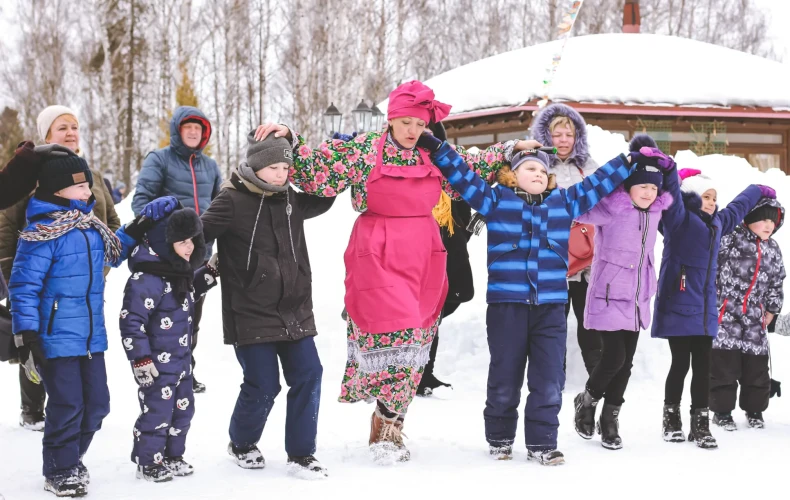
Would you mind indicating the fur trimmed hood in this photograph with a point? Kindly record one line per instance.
(540, 131)
(693, 203)
(182, 224)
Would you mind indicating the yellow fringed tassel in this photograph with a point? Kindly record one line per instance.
(443, 213)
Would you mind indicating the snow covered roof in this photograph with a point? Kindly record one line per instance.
(623, 69)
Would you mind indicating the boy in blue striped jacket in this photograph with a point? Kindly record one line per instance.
(529, 220)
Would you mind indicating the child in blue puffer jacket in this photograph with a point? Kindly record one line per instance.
(156, 327)
(57, 306)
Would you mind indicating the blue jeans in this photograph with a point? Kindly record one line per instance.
(78, 402)
(302, 370)
(517, 333)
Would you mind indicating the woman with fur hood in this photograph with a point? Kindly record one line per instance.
(626, 226)
(685, 307)
(564, 128)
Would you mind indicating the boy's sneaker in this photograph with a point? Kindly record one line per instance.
(156, 473)
(198, 387)
(247, 457)
(83, 474)
(306, 467)
(178, 466)
(31, 420)
(725, 421)
(66, 485)
(755, 419)
(546, 457)
(504, 452)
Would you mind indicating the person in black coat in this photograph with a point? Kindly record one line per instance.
(267, 308)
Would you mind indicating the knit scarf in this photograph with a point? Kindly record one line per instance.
(66, 220)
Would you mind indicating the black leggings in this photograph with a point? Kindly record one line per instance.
(696, 350)
(589, 340)
(610, 376)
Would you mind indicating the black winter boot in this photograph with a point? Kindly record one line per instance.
(66, 485)
(584, 418)
(156, 473)
(306, 467)
(725, 421)
(31, 419)
(700, 430)
(608, 427)
(755, 419)
(673, 425)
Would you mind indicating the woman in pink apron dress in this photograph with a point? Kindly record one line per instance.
(396, 279)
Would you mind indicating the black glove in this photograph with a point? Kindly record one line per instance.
(776, 388)
(429, 142)
(438, 131)
(30, 354)
(138, 227)
(53, 151)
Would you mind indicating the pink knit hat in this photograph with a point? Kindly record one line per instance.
(414, 98)
(694, 181)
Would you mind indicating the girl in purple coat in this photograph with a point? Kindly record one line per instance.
(156, 328)
(626, 227)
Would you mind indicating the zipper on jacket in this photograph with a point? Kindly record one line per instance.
(88, 293)
(682, 278)
(194, 184)
(607, 294)
(637, 320)
(707, 277)
(754, 278)
(52, 317)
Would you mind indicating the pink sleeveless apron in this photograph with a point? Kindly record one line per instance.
(396, 264)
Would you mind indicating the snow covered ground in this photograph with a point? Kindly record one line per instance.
(445, 432)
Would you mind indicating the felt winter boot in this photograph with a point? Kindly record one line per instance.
(608, 427)
(386, 439)
(700, 430)
(672, 425)
(725, 421)
(584, 418)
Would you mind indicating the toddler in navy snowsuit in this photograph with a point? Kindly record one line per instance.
(57, 306)
(156, 328)
(529, 221)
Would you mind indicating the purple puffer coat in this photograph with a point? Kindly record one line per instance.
(622, 266)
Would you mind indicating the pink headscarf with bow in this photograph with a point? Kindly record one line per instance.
(415, 99)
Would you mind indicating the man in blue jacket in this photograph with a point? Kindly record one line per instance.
(183, 171)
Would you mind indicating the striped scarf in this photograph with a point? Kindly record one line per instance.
(65, 221)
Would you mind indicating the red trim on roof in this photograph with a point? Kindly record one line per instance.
(622, 109)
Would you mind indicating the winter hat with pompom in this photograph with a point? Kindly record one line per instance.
(693, 181)
(641, 140)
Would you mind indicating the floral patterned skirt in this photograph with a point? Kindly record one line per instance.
(386, 367)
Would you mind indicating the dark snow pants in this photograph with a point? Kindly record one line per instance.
(689, 351)
(302, 370)
(166, 410)
(731, 368)
(610, 377)
(78, 402)
(517, 333)
(590, 342)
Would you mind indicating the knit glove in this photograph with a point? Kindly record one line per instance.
(652, 157)
(688, 172)
(430, 142)
(343, 137)
(767, 191)
(144, 372)
(160, 208)
(47, 151)
(213, 265)
(776, 388)
(30, 354)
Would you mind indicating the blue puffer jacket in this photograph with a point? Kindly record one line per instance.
(528, 244)
(155, 321)
(176, 170)
(686, 300)
(57, 286)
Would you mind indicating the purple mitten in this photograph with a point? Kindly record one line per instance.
(767, 191)
(653, 157)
